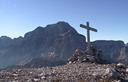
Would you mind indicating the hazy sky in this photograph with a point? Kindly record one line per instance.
(110, 17)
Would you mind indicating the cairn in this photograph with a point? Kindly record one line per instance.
(90, 55)
(81, 56)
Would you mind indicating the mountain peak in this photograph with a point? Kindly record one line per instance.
(5, 37)
(62, 23)
(39, 28)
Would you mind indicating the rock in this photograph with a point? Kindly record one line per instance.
(118, 81)
(43, 77)
(15, 75)
(108, 71)
(31, 72)
(90, 58)
(41, 74)
(19, 70)
(126, 70)
(36, 80)
(121, 65)
(70, 61)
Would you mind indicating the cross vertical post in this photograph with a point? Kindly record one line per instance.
(88, 37)
(88, 34)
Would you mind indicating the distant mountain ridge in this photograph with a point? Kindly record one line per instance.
(113, 51)
(56, 41)
(54, 44)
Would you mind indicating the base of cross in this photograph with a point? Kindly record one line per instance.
(92, 55)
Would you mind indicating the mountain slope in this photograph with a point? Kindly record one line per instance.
(55, 41)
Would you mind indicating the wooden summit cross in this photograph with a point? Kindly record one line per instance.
(88, 33)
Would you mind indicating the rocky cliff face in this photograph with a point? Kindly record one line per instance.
(112, 51)
(53, 42)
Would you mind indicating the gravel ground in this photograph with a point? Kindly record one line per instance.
(78, 72)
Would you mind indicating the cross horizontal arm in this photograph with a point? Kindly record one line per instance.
(88, 28)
